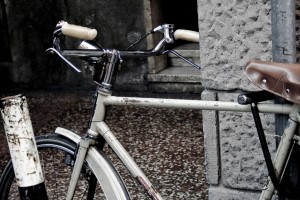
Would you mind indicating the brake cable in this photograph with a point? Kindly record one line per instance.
(182, 57)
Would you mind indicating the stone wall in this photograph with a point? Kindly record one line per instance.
(232, 33)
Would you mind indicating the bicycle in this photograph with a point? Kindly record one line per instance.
(82, 155)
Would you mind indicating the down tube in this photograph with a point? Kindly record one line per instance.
(127, 160)
(196, 104)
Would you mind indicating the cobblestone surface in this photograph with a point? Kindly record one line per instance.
(166, 143)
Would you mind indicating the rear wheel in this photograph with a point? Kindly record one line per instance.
(98, 179)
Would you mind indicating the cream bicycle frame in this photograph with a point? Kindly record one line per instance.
(98, 125)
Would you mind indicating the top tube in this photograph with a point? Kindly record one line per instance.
(198, 104)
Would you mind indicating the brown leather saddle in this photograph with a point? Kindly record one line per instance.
(278, 78)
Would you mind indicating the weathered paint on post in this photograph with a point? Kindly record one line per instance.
(283, 44)
(284, 50)
(21, 141)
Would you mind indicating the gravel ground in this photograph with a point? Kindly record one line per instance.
(166, 143)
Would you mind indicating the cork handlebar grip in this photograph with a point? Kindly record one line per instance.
(79, 32)
(187, 35)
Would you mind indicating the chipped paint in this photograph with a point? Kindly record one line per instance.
(195, 104)
(21, 141)
(128, 100)
(149, 189)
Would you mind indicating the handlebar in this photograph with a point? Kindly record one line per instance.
(79, 32)
(169, 36)
(95, 55)
(187, 35)
(85, 33)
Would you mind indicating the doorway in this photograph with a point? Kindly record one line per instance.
(184, 15)
(169, 69)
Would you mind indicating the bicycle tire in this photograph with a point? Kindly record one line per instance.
(109, 183)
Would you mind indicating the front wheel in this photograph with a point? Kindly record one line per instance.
(98, 179)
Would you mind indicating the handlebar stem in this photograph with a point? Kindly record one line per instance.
(113, 57)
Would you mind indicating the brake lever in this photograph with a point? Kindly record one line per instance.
(53, 50)
(183, 58)
(167, 30)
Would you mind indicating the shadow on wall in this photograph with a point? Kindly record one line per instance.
(29, 27)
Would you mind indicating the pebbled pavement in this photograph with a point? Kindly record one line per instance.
(166, 143)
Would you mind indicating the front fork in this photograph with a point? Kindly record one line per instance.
(84, 144)
(91, 138)
(97, 127)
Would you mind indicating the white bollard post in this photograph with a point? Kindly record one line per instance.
(22, 147)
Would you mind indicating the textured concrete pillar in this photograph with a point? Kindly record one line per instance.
(234, 161)
(232, 33)
(211, 141)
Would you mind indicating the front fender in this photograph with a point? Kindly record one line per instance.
(68, 134)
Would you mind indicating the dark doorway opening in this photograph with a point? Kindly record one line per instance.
(184, 15)
(5, 53)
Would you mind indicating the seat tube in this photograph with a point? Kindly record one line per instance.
(22, 147)
(282, 152)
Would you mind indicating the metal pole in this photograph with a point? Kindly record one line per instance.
(283, 41)
(283, 44)
(283, 31)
